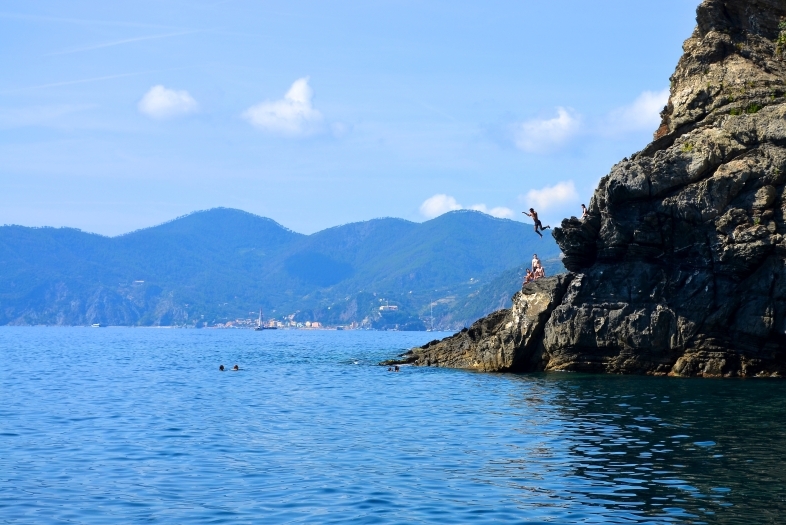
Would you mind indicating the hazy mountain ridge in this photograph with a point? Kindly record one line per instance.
(218, 265)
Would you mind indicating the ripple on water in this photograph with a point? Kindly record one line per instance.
(136, 425)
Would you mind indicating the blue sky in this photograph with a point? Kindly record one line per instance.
(116, 116)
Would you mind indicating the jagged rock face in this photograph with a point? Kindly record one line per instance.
(680, 266)
(507, 340)
(681, 261)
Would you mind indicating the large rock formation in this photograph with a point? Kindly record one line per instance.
(679, 268)
(505, 340)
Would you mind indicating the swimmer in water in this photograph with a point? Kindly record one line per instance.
(221, 368)
(235, 368)
(396, 368)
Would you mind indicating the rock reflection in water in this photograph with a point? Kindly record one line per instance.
(688, 450)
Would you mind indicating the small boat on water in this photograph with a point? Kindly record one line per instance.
(97, 325)
(260, 326)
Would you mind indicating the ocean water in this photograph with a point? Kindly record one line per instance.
(124, 425)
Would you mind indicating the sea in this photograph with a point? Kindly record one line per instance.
(138, 425)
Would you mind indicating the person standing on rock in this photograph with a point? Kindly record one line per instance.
(532, 213)
(535, 263)
(583, 212)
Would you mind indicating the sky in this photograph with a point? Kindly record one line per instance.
(116, 116)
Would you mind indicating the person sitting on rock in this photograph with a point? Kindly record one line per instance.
(540, 272)
(532, 213)
(529, 276)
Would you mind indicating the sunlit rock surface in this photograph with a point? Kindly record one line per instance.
(680, 266)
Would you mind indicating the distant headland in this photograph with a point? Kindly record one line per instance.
(218, 268)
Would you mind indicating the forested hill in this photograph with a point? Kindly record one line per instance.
(219, 265)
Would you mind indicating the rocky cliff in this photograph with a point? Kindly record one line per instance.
(680, 267)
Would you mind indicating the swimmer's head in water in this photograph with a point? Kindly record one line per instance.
(221, 368)
(235, 367)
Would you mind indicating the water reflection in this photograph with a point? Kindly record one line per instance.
(107, 426)
(665, 449)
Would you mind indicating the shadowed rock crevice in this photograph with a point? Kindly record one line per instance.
(680, 266)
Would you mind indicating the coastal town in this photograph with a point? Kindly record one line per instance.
(289, 322)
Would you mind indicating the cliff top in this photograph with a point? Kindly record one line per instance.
(732, 64)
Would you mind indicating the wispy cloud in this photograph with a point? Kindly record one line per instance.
(80, 21)
(93, 79)
(437, 111)
(293, 116)
(71, 82)
(440, 203)
(544, 135)
(160, 103)
(118, 43)
(38, 115)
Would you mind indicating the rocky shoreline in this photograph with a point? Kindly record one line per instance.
(680, 267)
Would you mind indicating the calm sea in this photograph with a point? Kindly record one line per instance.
(122, 425)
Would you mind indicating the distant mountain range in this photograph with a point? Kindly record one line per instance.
(212, 267)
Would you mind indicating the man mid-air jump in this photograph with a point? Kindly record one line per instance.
(532, 213)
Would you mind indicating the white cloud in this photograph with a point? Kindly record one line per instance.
(642, 114)
(161, 103)
(437, 205)
(293, 116)
(441, 203)
(551, 197)
(542, 135)
(499, 212)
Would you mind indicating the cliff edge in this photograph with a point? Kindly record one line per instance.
(680, 267)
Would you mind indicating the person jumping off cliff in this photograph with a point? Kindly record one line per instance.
(532, 213)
